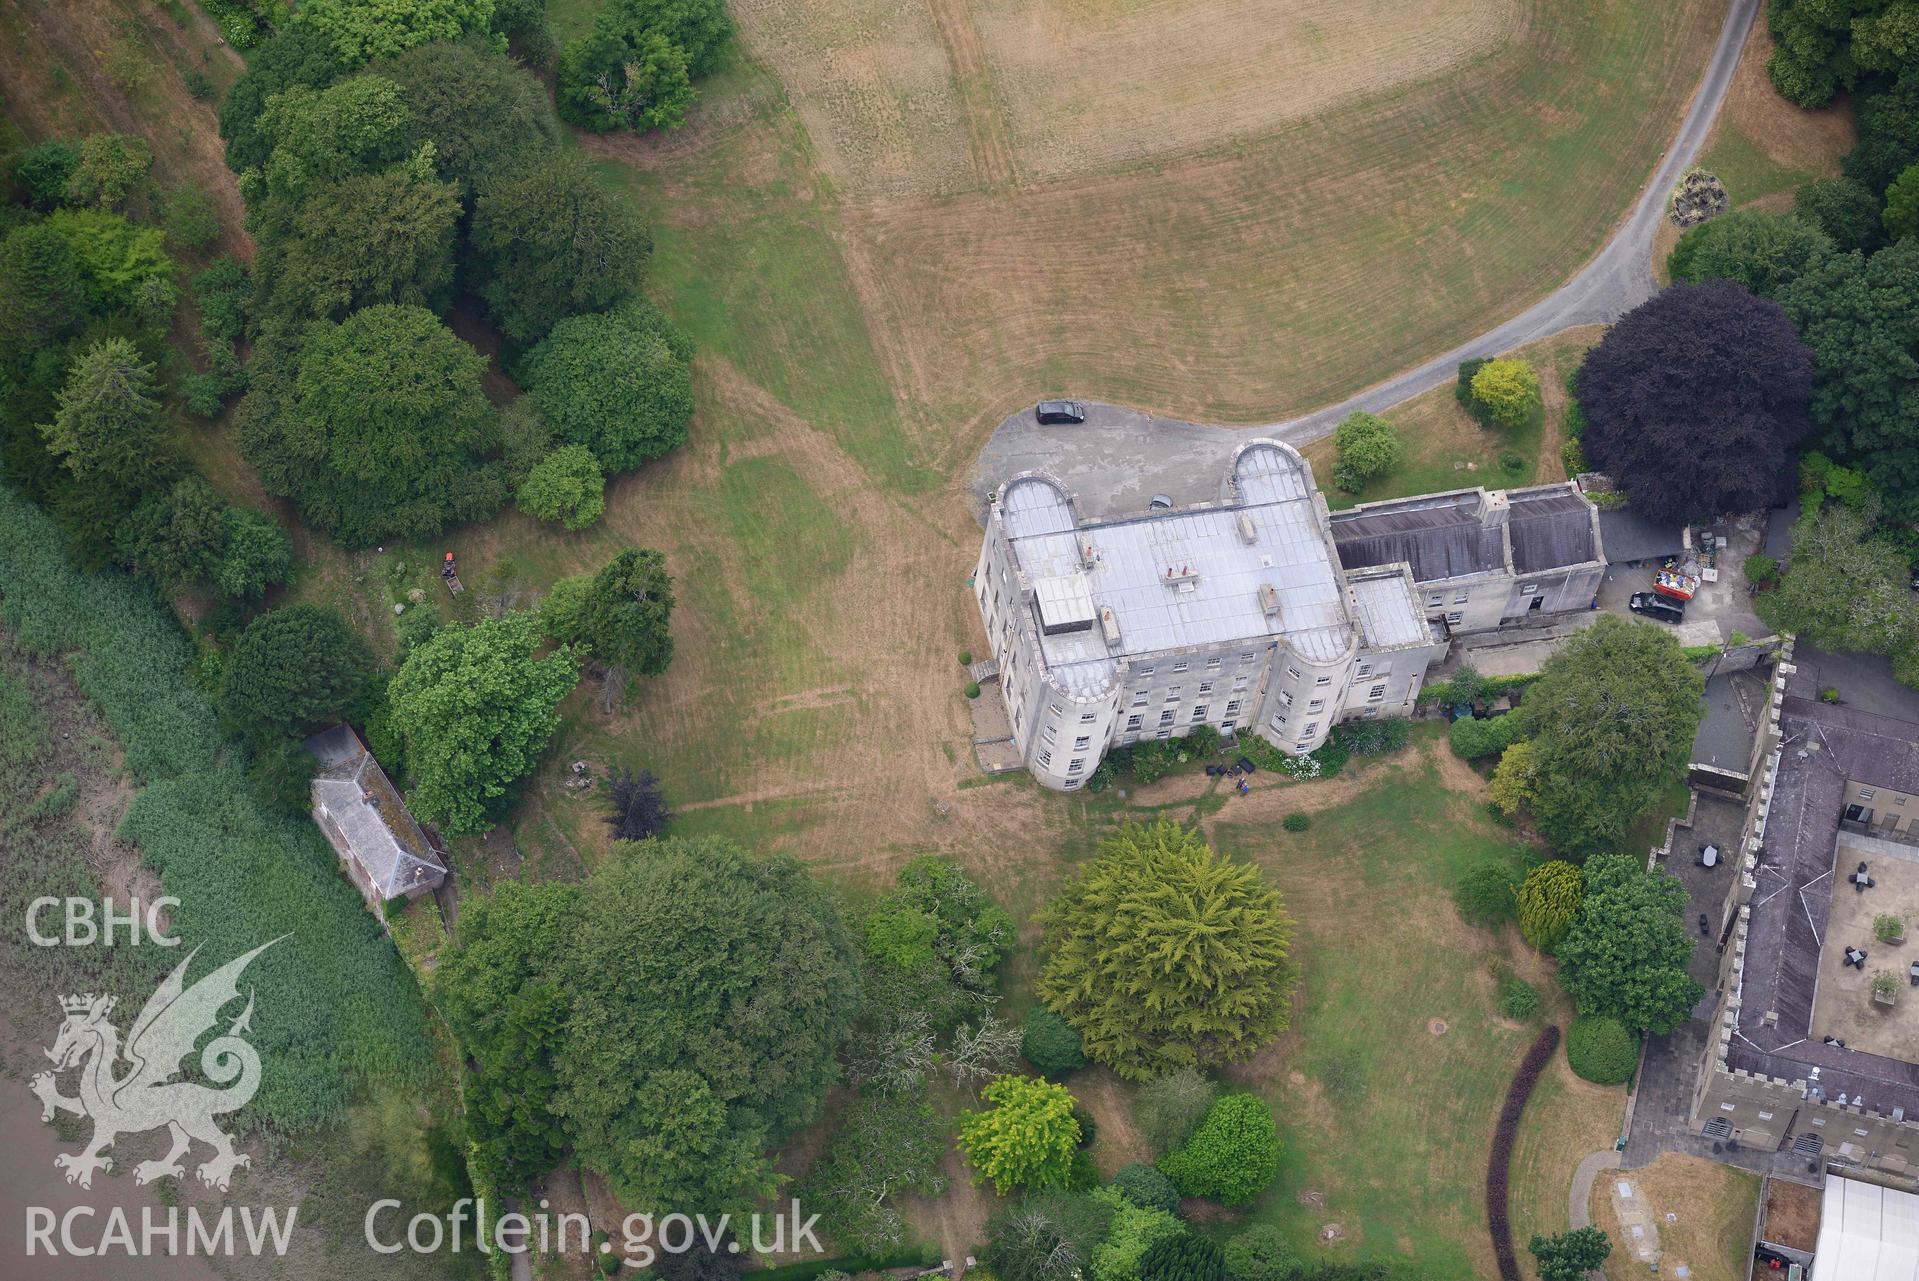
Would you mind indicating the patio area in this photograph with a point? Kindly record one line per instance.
(1844, 1007)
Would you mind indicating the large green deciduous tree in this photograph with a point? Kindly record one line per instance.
(1367, 447)
(293, 670)
(323, 135)
(498, 990)
(112, 170)
(1844, 210)
(365, 29)
(708, 991)
(615, 80)
(373, 238)
(1612, 719)
(1762, 251)
(1845, 587)
(622, 617)
(616, 382)
(565, 486)
(1570, 1256)
(298, 55)
(474, 708)
(378, 430)
(479, 110)
(1026, 1139)
(1625, 953)
(1860, 317)
(1163, 954)
(1821, 46)
(551, 242)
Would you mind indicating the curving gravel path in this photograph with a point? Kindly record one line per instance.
(1580, 1195)
(1617, 279)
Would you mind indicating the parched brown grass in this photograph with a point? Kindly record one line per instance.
(1702, 1211)
(1093, 84)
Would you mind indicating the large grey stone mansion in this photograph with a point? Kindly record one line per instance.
(1258, 610)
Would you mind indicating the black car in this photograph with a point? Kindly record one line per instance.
(1653, 605)
(1052, 412)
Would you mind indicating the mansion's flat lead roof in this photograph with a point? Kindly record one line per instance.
(1214, 594)
(1388, 613)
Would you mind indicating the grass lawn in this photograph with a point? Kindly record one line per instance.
(1386, 1118)
(1762, 146)
(1710, 1231)
(1444, 448)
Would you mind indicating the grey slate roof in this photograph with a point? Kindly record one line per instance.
(1734, 701)
(1825, 747)
(1550, 528)
(1440, 537)
(357, 805)
(1629, 536)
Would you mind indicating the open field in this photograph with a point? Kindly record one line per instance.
(1444, 448)
(1702, 1212)
(1763, 146)
(1389, 1084)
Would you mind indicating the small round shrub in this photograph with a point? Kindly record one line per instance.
(1600, 1049)
(1296, 822)
(1233, 1154)
(1518, 1000)
(972, 689)
(1051, 1044)
(1262, 1253)
(966, 658)
(1484, 895)
(1146, 1187)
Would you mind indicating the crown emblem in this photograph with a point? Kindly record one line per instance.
(84, 1003)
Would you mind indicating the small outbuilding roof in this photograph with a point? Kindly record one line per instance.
(1550, 528)
(1440, 537)
(1629, 536)
(363, 815)
(1867, 1232)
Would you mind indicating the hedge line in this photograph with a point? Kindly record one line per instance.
(335, 1006)
(1500, 1163)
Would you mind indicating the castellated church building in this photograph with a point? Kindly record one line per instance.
(1260, 611)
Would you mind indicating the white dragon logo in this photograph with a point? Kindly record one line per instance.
(146, 1097)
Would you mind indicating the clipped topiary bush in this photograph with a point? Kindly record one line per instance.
(1147, 1187)
(1499, 1167)
(1296, 822)
(1484, 895)
(1233, 1153)
(1051, 1044)
(1600, 1049)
